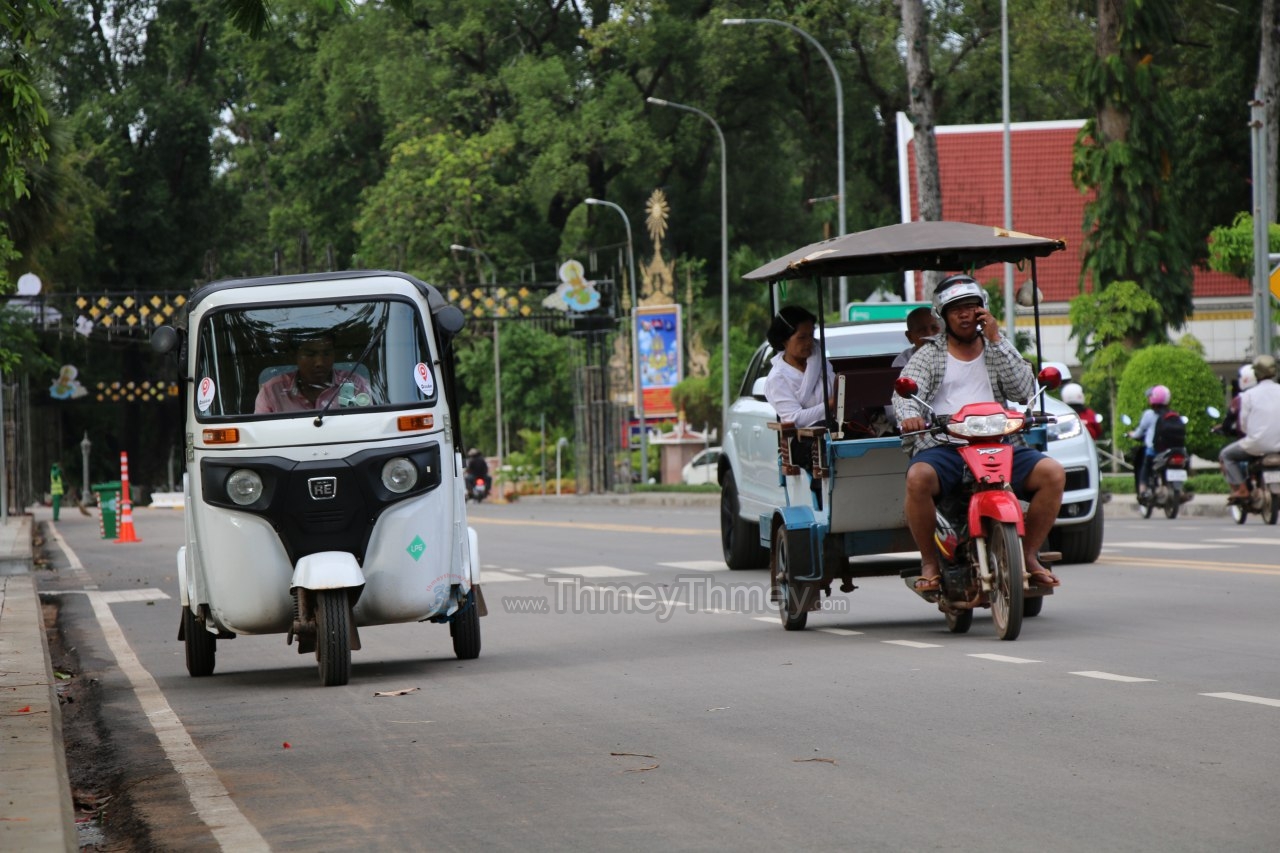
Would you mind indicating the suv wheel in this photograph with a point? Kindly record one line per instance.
(739, 539)
(1080, 543)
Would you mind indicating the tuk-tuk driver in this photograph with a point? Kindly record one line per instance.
(971, 362)
(312, 385)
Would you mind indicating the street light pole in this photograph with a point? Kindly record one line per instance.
(844, 284)
(724, 258)
(497, 346)
(638, 394)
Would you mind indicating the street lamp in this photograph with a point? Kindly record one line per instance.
(635, 342)
(844, 287)
(724, 259)
(497, 345)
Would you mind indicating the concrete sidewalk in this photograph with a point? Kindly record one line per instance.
(35, 794)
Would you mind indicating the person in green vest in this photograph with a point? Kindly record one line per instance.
(55, 488)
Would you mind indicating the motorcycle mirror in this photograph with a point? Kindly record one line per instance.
(1050, 377)
(1097, 419)
(1213, 412)
(1185, 419)
(905, 386)
(1126, 420)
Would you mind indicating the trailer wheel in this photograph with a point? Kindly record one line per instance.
(793, 598)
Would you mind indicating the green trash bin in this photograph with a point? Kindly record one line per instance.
(108, 503)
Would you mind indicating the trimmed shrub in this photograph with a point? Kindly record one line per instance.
(1192, 383)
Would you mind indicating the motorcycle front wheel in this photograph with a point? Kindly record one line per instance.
(1004, 555)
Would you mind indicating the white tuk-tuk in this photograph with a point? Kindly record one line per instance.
(324, 488)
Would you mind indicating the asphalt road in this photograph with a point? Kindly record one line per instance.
(634, 694)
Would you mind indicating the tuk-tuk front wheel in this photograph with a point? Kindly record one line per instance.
(333, 637)
(465, 630)
(201, 646)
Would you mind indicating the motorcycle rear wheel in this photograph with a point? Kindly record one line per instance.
(1270, 508)
(1004, 555)
(1174, 504)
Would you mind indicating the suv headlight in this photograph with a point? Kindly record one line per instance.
(1067, 426)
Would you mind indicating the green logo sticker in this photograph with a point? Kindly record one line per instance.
(416, 548)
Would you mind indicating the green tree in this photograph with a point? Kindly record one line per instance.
(1193, 388)
(1134, 227)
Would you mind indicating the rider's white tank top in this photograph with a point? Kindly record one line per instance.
(964, 382)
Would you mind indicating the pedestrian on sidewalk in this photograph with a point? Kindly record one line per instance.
(55, 488)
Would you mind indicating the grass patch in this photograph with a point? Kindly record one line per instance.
(701, 488)
(1206, 483)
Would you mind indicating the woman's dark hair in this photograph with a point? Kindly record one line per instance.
(784, 324)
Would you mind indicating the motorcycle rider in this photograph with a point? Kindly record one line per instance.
(477, 469)
(1073, 396)
(971, 362)
(1230, 421)
(1259, 423)
(1158, 397)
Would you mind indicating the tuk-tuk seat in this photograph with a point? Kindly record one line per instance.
(788, 448)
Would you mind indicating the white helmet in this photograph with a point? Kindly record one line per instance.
(1073, 394)
(954, 288)
(1247, 377)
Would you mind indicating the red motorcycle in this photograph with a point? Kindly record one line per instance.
(980, 525)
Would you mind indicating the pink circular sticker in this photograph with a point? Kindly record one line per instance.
(204, 394)
(426, 382)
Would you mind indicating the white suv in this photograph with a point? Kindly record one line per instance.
(748, 467)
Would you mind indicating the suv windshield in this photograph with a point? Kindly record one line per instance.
(281, 360)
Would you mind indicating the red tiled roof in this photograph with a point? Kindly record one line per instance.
(1045, 202)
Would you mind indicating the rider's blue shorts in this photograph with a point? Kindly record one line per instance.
(949, 465)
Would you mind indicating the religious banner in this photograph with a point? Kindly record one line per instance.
(660, 345)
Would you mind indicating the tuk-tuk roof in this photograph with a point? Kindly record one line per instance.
(908, 246)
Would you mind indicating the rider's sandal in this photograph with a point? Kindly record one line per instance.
(924, 584)
(1043, 577)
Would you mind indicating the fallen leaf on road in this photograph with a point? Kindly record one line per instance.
(823, 760)
(641, 769)
(286, 745)
(25, 709)
(725, 708)
(634, 754)
(403, 692)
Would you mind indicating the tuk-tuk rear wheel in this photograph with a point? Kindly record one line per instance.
(333, 637)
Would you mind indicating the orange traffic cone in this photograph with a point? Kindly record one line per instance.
(126, 506)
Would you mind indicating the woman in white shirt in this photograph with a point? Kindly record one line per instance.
(794, 387)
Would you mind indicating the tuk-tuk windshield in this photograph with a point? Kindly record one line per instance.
(285, 360)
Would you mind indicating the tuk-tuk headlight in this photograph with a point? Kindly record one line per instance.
(244, 487)
(399, 475)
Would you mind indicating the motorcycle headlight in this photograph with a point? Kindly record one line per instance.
(244, 487)
(399, 475)
(985, 426)
(1067, 426)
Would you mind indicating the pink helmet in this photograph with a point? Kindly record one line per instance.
(1158, 395)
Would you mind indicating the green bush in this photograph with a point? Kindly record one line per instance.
(1208, 483)
(1193, 386)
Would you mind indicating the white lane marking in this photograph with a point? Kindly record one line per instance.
(770, 619)
(81, 577)
(1111, 676)
(1244, 697)
(1005, 658)
(118, 596)
(911, 644)
(594, 572)
(495, 576)
(230, 828)
(1164, 546)
(841, 632)
(1255, 540)
(698, 566)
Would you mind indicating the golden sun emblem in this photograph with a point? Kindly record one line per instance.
(656, 210)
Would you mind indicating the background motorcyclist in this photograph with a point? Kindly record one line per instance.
(1259, 424)
(1158, 397)
(1073, 396)
(971, 362)
(1230, 425)
(477, 468)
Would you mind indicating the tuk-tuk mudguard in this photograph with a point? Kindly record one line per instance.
(327, 570)
(804, 541)
(999, 506)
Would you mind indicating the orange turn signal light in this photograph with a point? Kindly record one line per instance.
(221, 436)
(408, 423)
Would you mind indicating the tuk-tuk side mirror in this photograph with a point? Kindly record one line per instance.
(449, 320)
(165, 340)
(1213, 412)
